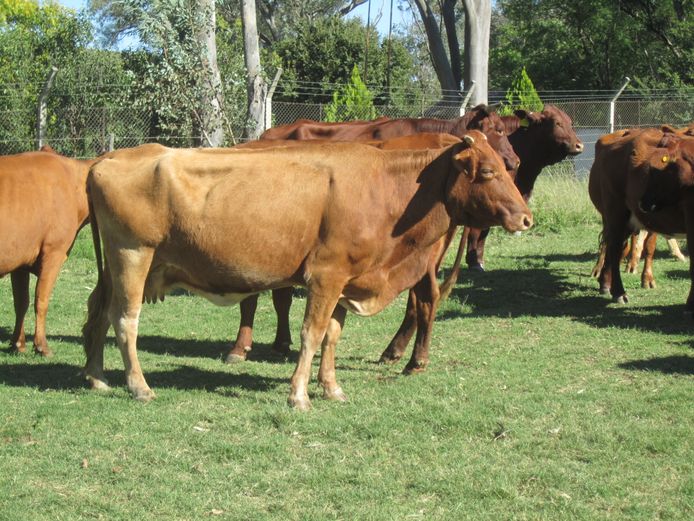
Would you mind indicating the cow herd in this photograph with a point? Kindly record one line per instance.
(355, 212)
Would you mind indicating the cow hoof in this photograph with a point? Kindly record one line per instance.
(97, 384)
(650, 284)
(414, 368)
(300, 404)
(43, 351)
(388, 358)
(17, 350)
(233, 358)
(623, 299)
(282, 348)
(336, 395)
(604, 290)
(476, 267)
(144, 395)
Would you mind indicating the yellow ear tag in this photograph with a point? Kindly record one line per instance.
(665, 159)
(524, 122)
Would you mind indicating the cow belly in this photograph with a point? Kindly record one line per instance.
(163, 278)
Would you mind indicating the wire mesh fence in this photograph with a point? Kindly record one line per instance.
(99, 118)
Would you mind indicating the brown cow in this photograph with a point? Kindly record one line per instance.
(540, 139)
(43, 204)
(480, 118)
(351, 223)
(282, 297)
(636, 182)
(644, 241)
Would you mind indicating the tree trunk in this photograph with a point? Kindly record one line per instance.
(210, 123)
(478, 15)
(448, 12)
(256, 86)
(449, 87)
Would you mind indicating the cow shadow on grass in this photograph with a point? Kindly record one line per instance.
(675, 364)
(544, 292)
(65, 377)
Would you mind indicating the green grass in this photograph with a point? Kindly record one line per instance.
(543, 400)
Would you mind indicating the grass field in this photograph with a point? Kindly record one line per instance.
(543, 400)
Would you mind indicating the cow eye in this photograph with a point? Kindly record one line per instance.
(487, 174)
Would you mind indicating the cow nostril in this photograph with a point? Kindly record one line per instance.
(579, 147)
(527, 221)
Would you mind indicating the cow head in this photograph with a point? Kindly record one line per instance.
(669, 172)
(553, 128)
(479, 191)
(487, 121)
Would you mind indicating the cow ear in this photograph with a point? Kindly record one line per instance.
(469, 139)
(668, 129)
(463, 160)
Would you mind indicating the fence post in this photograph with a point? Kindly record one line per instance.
(41, 109)
(614, 100)
(268, 99)
(467, 98)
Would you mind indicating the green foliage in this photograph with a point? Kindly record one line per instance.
(320, 54)
(33, 38)
(353, 101)
(592, 44)
(521, 95)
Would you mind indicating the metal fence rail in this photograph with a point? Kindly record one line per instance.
(80, 130)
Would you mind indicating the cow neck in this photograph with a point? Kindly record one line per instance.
(425, 218)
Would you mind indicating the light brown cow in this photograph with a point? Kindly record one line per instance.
(43, 204)
(636, 182)
(351, 223)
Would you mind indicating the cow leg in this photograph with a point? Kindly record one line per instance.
(637, 242)
(471, 258)
(615, 233)
(95, 329)
(20, 296)
(597, 269)
(326, 373)
(427, 300)
(244, 337)
(47, 275)
(320, 306)
(647, 279)
(129, 271)
(475, 249)
(689, 220)
(282, 301)
(396, 347)
(675, 249)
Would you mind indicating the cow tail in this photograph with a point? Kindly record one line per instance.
(448, 283)
(96, 326)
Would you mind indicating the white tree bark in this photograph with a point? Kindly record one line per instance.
(478, 15)
(256, 86)
(212, 101)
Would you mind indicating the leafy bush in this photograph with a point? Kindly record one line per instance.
(521, 95)
(353, 101)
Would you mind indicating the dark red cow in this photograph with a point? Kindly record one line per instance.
(480, 118)
(540, 139)
(641, 178)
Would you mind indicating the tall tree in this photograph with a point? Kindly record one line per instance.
(477, 26)
(256, 86)
(210, 126)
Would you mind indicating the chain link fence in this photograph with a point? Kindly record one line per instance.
(113, 119)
